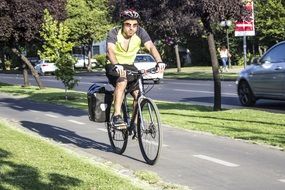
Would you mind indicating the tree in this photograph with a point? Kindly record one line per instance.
(55, 35)
(187, 17)
(65, 72)
(20, 21)
(88, 22)
(269, 22)
(57, 48)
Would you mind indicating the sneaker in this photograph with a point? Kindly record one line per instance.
(118, 122)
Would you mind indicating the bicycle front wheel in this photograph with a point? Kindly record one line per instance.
(118, 138)
(149, 131)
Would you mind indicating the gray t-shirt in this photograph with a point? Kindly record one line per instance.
(127, 56)
(141, 33)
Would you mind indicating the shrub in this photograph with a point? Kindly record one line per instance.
(101, 59)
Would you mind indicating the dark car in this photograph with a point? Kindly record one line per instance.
(264, 78)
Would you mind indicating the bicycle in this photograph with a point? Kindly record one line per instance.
(148, 129)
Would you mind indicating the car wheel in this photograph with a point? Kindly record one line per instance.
(245, 94)
(42, 73)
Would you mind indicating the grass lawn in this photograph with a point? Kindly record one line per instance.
(28, 162)
(201, 73)
(255, 126)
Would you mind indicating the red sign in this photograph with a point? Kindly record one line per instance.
(246, 26)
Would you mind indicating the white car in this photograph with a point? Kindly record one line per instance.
(45, 66)
(82, 61)
(146, 61)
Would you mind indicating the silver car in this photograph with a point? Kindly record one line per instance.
(146, 61)
(264, 78)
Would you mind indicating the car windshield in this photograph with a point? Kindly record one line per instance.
(44, 61)
(144, 58)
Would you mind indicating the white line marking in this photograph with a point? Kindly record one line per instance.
(101, 129)
(206, 92)
(281, 180)
(215, 160)
(77, 122)
(50, 115)
(35, 111)
(19, 107)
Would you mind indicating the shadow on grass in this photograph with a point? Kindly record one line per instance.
(228, 119)
(252, 134)
(65, 136)
(22, 177)
(181, 106)
(24, 104)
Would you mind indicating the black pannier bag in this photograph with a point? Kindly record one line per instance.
(99, 103)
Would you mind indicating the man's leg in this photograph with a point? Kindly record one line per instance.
(135, 95)
(119, 94)
(135, 114)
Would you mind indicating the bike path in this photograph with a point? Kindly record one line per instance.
(198, 160)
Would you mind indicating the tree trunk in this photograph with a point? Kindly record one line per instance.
(25, 75)
(89, 66)
(216, 75)
(30, 66)
(177, 58)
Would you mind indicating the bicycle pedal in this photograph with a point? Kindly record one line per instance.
(121, 126)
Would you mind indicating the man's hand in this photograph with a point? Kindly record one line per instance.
(160, 67)
(120, 69)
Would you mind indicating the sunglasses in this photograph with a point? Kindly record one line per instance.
(129, 25)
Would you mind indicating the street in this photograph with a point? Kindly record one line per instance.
(199, 92)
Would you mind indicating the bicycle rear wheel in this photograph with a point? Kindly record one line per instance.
(118, 138)
(149, 131)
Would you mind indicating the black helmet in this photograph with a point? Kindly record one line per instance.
(129, 14)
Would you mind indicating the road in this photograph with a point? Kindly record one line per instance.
(200, 161)
(199, 92)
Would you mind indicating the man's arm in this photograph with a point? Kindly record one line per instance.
(111, 53)
(153, 51)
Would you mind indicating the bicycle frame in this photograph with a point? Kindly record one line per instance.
(148, 128)
(141, 96)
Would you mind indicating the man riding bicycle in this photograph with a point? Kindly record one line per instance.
(123, 43)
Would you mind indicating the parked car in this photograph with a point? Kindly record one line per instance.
(33, 60)
(44, 66)
(264, 78)
(146, 61)
(82, 60)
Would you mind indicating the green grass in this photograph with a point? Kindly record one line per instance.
(201, 73)
(248, 124)
(153, 178)
(27, 162)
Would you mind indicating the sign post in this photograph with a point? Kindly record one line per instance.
(245, 27)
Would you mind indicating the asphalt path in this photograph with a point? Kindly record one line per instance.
(200, 161)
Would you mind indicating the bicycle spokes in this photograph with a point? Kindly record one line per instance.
(149, 131)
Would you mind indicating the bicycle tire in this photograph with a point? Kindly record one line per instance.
(149, 129)
(118, 138)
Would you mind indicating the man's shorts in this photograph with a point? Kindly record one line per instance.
(113, 76)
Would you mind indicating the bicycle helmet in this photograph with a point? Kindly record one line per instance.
(129, 14)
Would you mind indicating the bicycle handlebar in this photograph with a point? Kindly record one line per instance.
(142, 71)
(139, 72)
